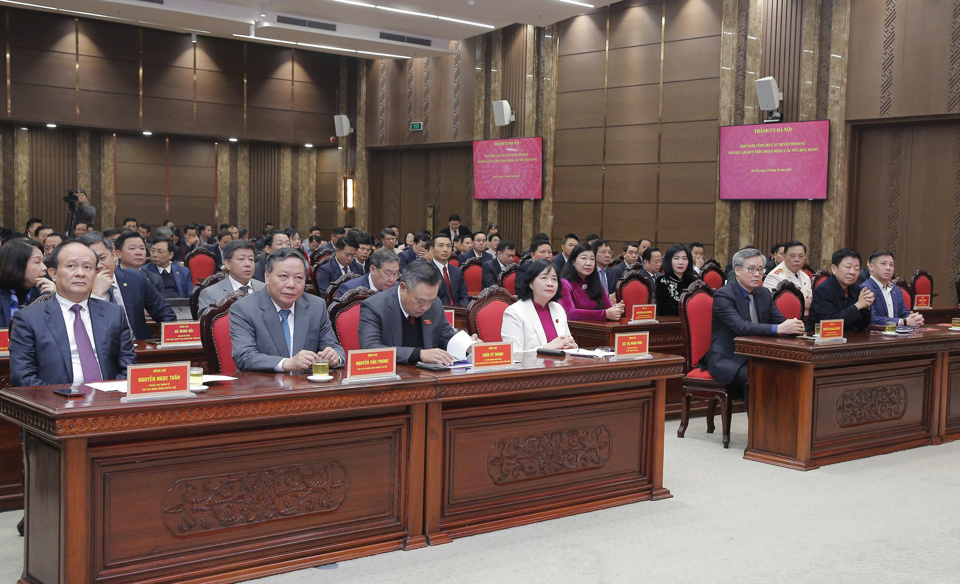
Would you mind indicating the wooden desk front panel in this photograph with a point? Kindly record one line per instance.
(951, 430)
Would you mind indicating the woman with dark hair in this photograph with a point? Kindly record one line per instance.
(21, 276)
(584, 297)
(677, 276)
(296, 242)
(537, 320)
(493, 229)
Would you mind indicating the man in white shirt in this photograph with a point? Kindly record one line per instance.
(238, 259)
(696, 253)
(892, 308)
(791, 268)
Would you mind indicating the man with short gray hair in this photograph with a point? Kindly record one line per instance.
(743, 307)
(384, 271)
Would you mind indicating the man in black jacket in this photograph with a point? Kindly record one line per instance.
(840, 297)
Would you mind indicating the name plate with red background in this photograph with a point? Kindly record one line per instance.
(178, 334)
(632, 345)
(486, 355)
(921, 301)
(363, 364)
(158, 381)
(831, 330)
(643, 313)
(4, 342)
(449, 313)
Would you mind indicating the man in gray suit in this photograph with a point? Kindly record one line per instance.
(278, 328)
(239, 259)
(410, 317)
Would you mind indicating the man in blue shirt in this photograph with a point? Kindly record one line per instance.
(889, 305)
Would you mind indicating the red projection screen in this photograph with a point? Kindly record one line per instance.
(774, 161)
(511, 168)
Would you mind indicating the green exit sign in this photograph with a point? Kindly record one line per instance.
(416, 126)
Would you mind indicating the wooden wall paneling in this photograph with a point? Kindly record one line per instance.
(579, 147)
(456, 184)
(688, 182)
(684, 222)
(638, 25)
(927, 54)
(414, 175)
(396, 128)
(580, 109)
(627, 106)
(439, 93)
(53, 171)
(265, 179)
(626, 221)
(634, 66)
(691, 59)
(781, 51)
(513, 77)
(691, 100)
(690, 142)
(327, 189)
(580, 72)
(866, 50)
(774, 223)
(578, 184)
(192, 180)
(108, 73)
(160, 47)
(691, 19)
(511, 222)
(630, 183)
(579, 218)
(141, 173)
(416, 78)
(583, 34)
(632, 144)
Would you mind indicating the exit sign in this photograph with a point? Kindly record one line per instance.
(416, 126)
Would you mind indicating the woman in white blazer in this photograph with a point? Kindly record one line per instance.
(537, 320)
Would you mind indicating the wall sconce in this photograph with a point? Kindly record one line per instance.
(348, 193)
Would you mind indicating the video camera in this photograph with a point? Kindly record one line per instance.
(71, 196)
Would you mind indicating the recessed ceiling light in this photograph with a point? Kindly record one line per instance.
(308, 145)
(24, 129)
(148, 133)
(51, 125)
(577, 3)
(233, 139)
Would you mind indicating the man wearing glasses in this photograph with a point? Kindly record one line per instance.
(791, 268)
(742, 308)
(384, 272)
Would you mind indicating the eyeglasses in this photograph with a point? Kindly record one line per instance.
(752, 270)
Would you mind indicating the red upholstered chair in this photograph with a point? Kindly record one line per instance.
(616, 261)
(635, 287)
(331, 292)
(907, 292)
(819, 277)
(215, 335)
(517, 259)
(473, 275)
(789, 300)
(485, 314)
(712, 274)
(454, 262)
(508, 279)
(345, 317)
(808, 270)
(922, 283)
(194, 299)
(696, 317)
(202, 264)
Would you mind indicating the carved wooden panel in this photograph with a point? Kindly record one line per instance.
(541, 455)
(877, 404)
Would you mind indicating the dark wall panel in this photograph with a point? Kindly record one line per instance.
(53, 171)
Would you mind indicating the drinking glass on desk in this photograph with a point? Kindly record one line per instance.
(321, 368)
(890, 327)
(955, 322)
(816, 330)
(196, 377)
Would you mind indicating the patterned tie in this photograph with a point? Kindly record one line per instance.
(284, 313)
(446, 278)
(245, 289)
(753, 308)
(88, 359)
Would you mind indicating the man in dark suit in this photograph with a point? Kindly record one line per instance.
(176, 279)
(223, 238)
(131, 254)
(279, 328)
(889, 305)
(454, 228)
(840, 297)
(344, 260)
(272, 241)
(604, 255)
(384, 272)
(540, 249)
(364, 249)
(631, 255)
(652, 260)
(410, 317)
(238, 261)
(506, 251)
(71, 338)
(415, 252)
(742, 308)
(478, 250)
(453, 288)
(128, 288)
(570, 241)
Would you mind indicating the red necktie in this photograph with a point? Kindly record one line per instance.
(413, 320)
(446, 278)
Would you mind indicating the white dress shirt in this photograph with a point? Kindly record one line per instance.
(68, 319)
(887, 292)
(237, 285)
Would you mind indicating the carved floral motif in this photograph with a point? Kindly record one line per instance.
(862, 406)
(542, 455)
(205, 504)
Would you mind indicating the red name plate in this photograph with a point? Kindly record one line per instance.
(158, 379)
(921, 301)
(632, 344)
(371, 363)
(492, 355)
(644, 312)
(180, 333)
(4, 340)
(449, 314)
(831, 329)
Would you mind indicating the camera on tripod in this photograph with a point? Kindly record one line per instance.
(71, 196)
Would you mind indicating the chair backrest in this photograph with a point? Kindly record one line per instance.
(194, 299)
(215, 335)
(508, 279)
(202, 264)
(922, 282)
(473, 275)
(485, 313)
(454, 262)
(345, 317)
(808, 270)
(818, 278)
(331, 292)
(635, 287)
(41, 298)
(321, 253)
(789, 300)
(712, 261)
(616, 261)
(696, 321)
(907, 292)
(712, 274)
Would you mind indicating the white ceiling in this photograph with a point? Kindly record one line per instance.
(358, 27)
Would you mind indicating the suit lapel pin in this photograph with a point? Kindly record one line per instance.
(124, 284)
(426, 322)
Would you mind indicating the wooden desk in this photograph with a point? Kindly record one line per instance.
(11, 451)
(818, 404)
(940, 314)
(268, 474)
(550, 439)
(271, 473)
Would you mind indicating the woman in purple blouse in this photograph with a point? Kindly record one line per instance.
(584, 297)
